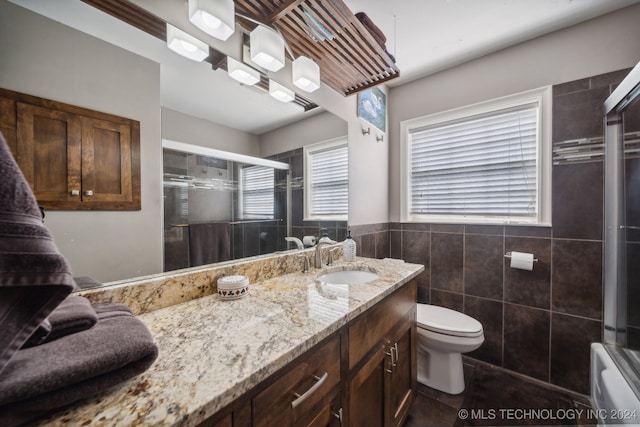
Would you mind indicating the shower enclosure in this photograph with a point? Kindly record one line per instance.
(221, 206)
(622, 228)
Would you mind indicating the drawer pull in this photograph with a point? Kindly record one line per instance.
(301, 398)
(393, 352)
(338, 415)
(397, 355)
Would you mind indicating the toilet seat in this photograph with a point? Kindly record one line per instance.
(446, 321)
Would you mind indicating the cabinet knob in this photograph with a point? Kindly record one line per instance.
(75, 192)
(89, 192)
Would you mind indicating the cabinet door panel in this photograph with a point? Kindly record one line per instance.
(106, 161)
(367, 393)
(49, 152)
(401, 380)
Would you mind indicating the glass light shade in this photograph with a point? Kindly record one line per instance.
(306, 74)
(267, 48)
(280, 92)
(186, 45)
(214, 17)
(241, 72)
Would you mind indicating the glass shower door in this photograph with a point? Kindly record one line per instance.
(622, 228)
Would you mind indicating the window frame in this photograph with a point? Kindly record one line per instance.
(541, 96)
(308, 151)
(241, 193)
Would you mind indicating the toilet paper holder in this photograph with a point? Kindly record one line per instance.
(508, 255)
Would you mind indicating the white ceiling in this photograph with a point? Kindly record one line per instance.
(425, 36)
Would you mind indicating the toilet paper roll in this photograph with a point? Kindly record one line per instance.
(309, 240)
(522, 260)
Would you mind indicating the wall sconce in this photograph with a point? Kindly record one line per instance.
(306, 74)
(214, 17)
(267, 48)
(241, 72)
(366, 132)
(280, 92)
(186, 45)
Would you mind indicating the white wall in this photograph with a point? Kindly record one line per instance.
(180, 127)
(319, 127)
(605, 44)
(43, 58)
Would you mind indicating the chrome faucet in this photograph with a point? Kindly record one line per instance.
(319, 245)
(295, 240)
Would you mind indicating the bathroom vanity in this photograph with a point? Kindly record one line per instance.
(296, 351)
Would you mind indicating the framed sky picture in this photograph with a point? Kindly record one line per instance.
(372, 108)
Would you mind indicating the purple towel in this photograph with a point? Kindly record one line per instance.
(75, 367)
(209, 242)
(34, 276)
(373, 29)
(86, 282)
(74, 314)
(40, 335)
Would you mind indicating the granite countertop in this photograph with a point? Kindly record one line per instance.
(213, 351)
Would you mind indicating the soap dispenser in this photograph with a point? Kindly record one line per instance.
(349, 248)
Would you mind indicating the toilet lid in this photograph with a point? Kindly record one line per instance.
(446, 321)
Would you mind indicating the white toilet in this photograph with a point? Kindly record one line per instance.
(443, 335)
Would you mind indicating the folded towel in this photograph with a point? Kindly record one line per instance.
(34, 276)
(74, 314)
(209, 242)
(111, 307)
(39, 335)
(373, 29)
(75, 367)
(86, 282)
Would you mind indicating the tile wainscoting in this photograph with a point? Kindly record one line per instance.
(540, 323)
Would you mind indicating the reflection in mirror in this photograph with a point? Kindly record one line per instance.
(217, 209)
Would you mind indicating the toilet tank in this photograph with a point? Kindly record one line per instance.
(613, 401)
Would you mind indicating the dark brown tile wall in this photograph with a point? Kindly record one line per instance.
(537, 323)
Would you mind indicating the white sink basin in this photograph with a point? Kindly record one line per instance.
(347, 277)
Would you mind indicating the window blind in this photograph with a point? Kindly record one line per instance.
(484, 165)
(257, 192)
(329, 186)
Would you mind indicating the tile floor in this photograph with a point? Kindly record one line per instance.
(496, 397)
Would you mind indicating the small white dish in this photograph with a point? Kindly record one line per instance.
(233, 287)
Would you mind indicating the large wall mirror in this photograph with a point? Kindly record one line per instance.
(221, 206)
(173, 98)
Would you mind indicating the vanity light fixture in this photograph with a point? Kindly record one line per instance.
(241, 72)
(186, 45)
(214, 17)
(267, 48)
(280, 92)
(306, 74)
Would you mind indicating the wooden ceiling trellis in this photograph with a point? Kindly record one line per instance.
(326, 31)
(350, 59)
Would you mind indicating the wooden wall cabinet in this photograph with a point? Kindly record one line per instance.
(362, 375)
(73, 158)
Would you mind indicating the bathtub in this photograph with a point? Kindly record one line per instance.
(613, 400)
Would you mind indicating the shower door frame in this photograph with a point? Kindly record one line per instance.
(614, 274)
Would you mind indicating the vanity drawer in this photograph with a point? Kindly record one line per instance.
(300, 388)
(371, 327)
